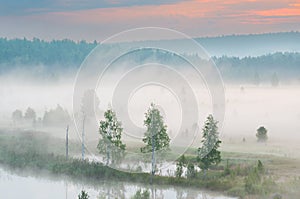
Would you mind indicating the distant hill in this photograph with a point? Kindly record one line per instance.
(242, 45)
(252, 45)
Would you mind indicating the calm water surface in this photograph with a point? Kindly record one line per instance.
(16, 185)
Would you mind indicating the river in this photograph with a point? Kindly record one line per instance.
(15, 184)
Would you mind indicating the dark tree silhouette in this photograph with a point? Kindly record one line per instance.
(261, 134)
(83, 195)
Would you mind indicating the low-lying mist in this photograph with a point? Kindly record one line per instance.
(247, 106)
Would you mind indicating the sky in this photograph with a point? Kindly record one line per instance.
(98, 19)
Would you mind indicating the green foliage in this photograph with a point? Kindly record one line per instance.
(191, 172)
(256, 183)
(209, 154)
(83, 195)
(141, 194)
(110, 142)
(179, 166)
(252, 180)
(260, 166)
(156, 131)
(262, 134)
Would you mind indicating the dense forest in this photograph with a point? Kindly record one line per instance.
(285, 66)
(65, 54)
(32, 52)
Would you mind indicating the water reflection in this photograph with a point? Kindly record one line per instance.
(49, 187)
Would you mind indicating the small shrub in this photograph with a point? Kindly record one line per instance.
(179, 166)
(260, 167)
(83, 195)
(262, 134)
(191, 172)
(141, 194)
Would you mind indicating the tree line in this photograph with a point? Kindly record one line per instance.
(61, 54)
(271, 68)
(52, 117)
(65, 52)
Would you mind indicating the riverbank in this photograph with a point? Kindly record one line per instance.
(78, 169)
(33, 151)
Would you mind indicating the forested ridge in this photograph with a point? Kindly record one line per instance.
(57, 55)
(36, 51)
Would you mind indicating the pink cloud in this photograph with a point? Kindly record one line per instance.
(185, 9)
(189, 9)
(195, 17)
(280, 12)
